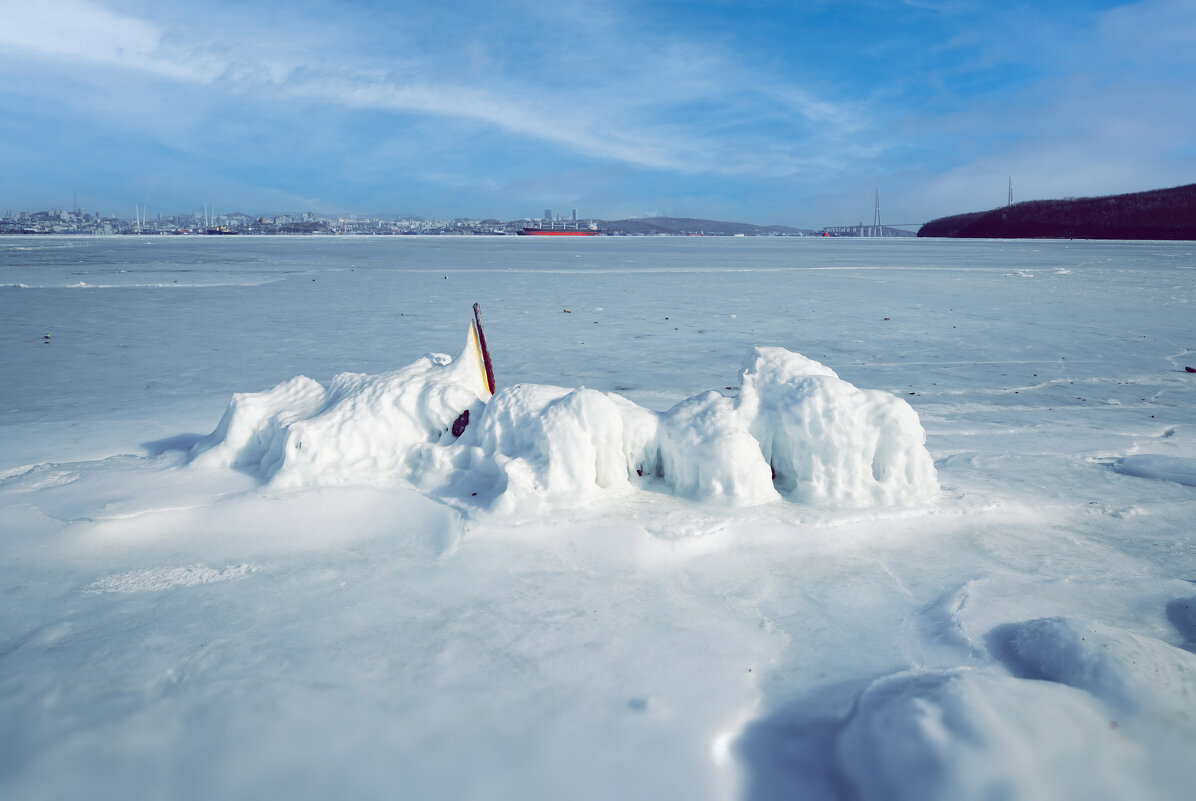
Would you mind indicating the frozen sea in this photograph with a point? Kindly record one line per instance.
(173, 632)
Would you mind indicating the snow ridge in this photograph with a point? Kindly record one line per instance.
(795, 430)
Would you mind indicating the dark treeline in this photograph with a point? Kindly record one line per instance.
(1157, 214)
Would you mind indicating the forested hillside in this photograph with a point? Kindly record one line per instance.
(1157, 214)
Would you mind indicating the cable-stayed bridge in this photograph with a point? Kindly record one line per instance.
(876, 229)
(899, 229)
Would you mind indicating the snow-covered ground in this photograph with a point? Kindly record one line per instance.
(183, 615)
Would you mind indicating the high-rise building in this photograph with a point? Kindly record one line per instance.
(575, 215)
(547, 214)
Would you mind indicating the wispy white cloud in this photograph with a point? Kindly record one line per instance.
(566, 128)
(623, 97)
(1155, 31)
(81, 32)
(77, 30)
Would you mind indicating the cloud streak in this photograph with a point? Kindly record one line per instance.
(629, 119)
(80, 32)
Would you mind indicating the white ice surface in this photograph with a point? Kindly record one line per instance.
(181, 630)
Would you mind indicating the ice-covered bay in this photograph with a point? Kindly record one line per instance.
(171, 631)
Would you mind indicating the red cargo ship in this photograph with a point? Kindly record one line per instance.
(560, 229)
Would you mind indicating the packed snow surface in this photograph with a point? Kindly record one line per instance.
(794, 424)
(934, 540)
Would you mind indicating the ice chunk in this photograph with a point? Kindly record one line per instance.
(795, 429)
(549, 444)
(706, 451)
(827, 441)
(372, 427)
(363, 429)
(255, 423)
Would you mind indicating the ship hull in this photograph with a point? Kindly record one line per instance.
(548, 232)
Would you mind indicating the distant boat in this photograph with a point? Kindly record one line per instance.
(560, 229)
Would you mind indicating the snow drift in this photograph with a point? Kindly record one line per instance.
(973, 734)
(1166, 468)
(1077, 720)
(1067, 708)
(795, 429)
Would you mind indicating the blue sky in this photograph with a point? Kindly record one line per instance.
(768, 112)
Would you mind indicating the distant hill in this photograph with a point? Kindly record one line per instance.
(685, 226)
(1157, 214)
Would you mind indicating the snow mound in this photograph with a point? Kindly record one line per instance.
(829, 442)
(253, 428)
(704, 449)
(1167, 468)
(962, 734)
(543, 444)
(363, 428)
(1135, 675)
(794, 430)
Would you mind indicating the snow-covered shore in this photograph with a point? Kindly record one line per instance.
(190, 617)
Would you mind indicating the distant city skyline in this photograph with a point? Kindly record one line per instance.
(774, 113)
(83, 222)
